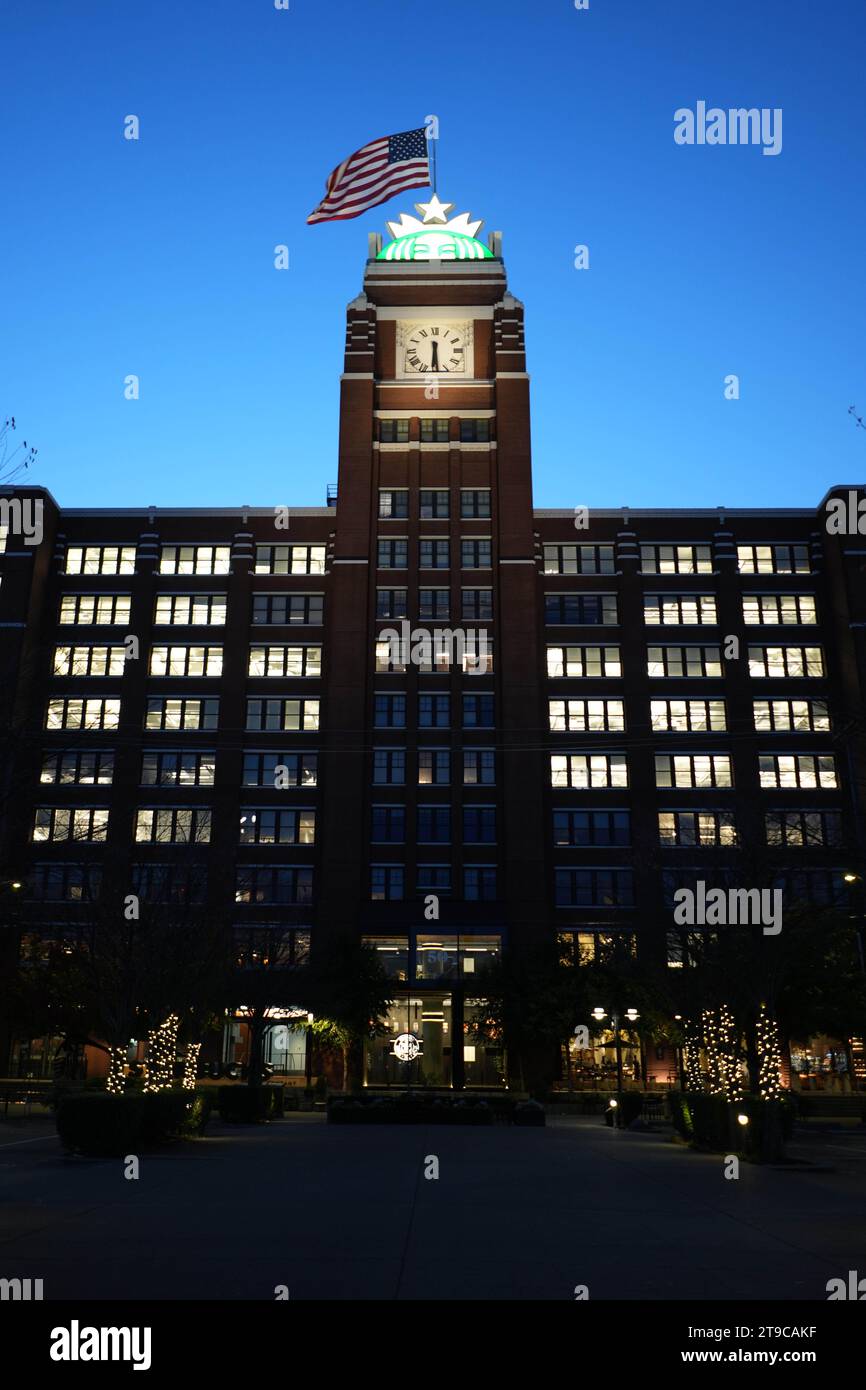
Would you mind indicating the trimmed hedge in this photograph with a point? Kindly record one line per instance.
(529, 1112)
(414, 1109)
(250, 1105)
(409, 1110)
(171, 1115)
(710, 1122)
(97, 1123)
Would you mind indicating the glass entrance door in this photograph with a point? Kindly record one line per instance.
(416, 1049)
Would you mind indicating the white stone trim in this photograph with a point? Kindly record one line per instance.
(439, 413)
(423, 313)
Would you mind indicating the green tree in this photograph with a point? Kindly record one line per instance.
(349, 995)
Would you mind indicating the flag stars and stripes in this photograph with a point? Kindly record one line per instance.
(373, 174)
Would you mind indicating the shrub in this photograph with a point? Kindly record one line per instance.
(410, 1109)
(60, 1089)
(710, 1122)
(528, 1112)
(95, 1122)
(101, 1124)
(681, 1114)
(250, 1105)
(763, 1139)
(790, 1111)
(173, 1114)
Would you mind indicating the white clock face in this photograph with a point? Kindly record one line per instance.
(435, 348)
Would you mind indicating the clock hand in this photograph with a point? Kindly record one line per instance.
(434, 359)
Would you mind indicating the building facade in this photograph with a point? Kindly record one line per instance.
(240, 707)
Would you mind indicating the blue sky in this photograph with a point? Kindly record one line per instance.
(155, 257)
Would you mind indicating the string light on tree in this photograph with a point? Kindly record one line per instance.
(116, 1071)
(730, 1061)
(715, 1072)
(769, 1055)
(720, 1042)
(691, 1055)
(161, 1051)
(190, 1065)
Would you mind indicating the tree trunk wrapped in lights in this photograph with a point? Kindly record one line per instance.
(720, 1043)
(692, 1056)
(161, 1050)
(730, 1060)
(190, 1065)
(769, 1055)
(712, 1048)
(116, 1079)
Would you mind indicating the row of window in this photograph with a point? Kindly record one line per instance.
(183, 659)
(434, 603)
(177, 825)
(195, 559)
(614, 888)
(782, 558)
(178, 767)
(264, 885)
(191, 714)
(575, 829)
(684, 610)
(688, 716)
(191, 610)
(437, 653)
(589, 610)
(267, 885)
(697, 829)
(473, 652)
(693, 770)
(263, 825)
(471, 431)
(591, 662)
(596, 887)
(434, 553)
(434, 504)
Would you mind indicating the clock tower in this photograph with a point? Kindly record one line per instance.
(434, 521)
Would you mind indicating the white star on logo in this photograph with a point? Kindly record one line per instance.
(434, 211)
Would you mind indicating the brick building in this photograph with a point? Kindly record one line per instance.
(260, 746)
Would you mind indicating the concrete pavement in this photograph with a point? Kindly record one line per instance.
(347, 1213)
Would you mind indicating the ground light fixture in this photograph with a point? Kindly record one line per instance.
(742, 1119)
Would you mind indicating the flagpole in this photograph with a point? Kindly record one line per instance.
(434, 143)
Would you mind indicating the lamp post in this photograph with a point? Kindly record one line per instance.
(632, 1015)
(308, 1060)
(851, 878)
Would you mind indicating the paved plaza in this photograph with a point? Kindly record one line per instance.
(337, 1213)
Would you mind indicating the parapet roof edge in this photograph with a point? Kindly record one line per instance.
(677, 512)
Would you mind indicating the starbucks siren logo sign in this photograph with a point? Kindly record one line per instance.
(407, 1047)
(433, 237)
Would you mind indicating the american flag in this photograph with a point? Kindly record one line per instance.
(373, 174)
